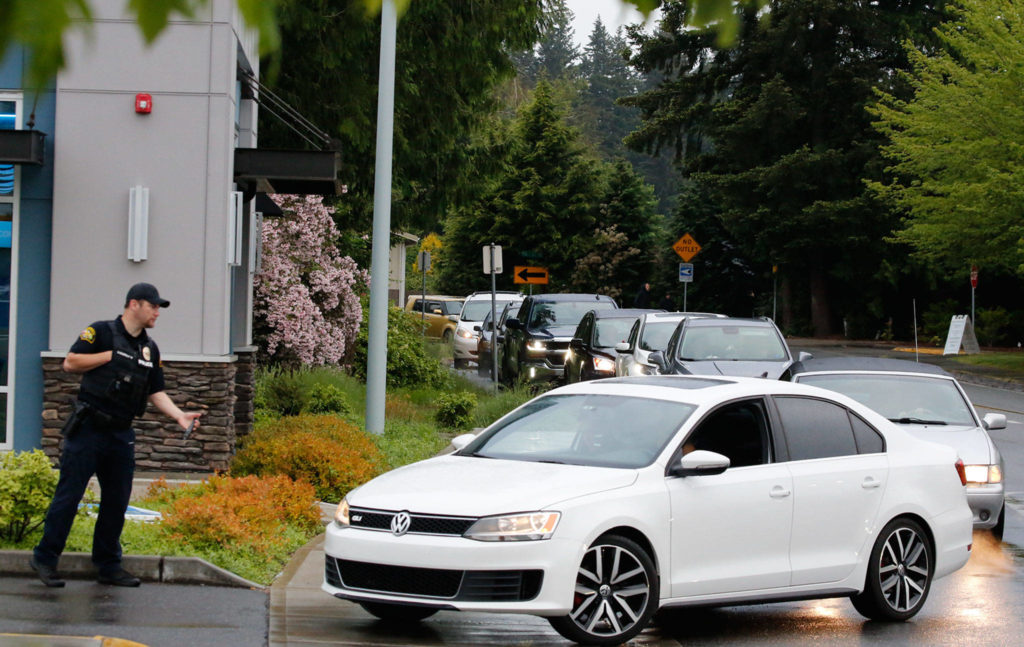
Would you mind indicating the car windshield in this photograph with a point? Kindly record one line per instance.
(596, 430)
(451, 307)
(656, 333)
(609, 332)
(564, 313)
(909, 399)
(750, 343)
(477, 309)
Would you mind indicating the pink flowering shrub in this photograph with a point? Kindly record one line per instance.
(307, 308)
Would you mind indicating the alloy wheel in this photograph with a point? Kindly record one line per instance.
(612, 591)
(903, 569)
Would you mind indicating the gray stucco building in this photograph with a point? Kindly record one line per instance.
(136, 181)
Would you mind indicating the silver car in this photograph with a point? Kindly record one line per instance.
(650, 333)
(932, 405)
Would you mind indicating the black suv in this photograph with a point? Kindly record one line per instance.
(726, 346)
(536, 340)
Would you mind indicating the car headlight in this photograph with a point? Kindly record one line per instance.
(983, 474)
(524, 526)
(465, 334)
(536, 346)
(603, 364)
(341, 514)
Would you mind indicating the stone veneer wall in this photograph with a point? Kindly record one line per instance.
(223, 391)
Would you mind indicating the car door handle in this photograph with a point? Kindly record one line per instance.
(870, 483)
(779, 492)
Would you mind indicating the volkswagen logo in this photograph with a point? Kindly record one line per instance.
(400, 523)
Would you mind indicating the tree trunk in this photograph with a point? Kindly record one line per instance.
(821, 315)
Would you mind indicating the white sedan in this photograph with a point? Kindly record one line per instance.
(597, 503)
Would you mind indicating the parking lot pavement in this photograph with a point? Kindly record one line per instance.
(157, 615)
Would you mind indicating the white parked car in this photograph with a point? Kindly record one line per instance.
(597, 503)
(474, 309)
(932, 405)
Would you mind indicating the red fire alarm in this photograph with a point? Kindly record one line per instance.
(143, 104)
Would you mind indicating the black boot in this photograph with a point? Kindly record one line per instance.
(47, 574)
(119, 577)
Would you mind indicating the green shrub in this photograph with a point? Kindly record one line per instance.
(405, 442)
(323, 450)
(993, 326)
(455, 410)
(935, 318)
(282, 391)
(409, 363)
(327, 398)
(27, 483)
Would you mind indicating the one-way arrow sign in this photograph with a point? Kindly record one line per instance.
(527, 274)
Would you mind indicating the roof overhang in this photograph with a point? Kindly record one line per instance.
(288, 171)
(21, 147)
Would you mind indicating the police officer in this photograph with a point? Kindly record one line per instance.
(121, 367)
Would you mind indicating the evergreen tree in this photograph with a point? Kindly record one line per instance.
(557, 55)
(955, 148)
(775, 131)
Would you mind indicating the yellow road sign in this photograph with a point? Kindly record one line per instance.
(686, 247)
(527, 274)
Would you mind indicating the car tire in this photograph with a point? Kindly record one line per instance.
(899, 573)
(447, 336)
(397, 612)
(616, 594)
(997, 530)
(461, 363)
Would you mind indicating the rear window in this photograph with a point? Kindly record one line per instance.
(477, 309)
(750, 343)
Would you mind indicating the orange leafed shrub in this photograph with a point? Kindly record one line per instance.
(248, 512)
(322, 450)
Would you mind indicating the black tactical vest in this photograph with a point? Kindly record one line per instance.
(122, 383)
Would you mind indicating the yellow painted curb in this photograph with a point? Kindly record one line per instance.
(923, 351)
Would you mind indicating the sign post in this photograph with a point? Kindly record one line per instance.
(492, 266)
(687, 248)
(686, 277)
(974, 284)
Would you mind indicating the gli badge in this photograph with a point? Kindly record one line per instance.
(400, 523)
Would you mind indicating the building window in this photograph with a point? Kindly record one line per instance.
(10, 119)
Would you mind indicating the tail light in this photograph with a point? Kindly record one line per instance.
(961, 472)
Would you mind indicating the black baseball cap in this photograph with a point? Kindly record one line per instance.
(146, 292)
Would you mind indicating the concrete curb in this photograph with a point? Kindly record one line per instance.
(148, 568)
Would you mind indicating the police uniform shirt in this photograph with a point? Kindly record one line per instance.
(98, 338)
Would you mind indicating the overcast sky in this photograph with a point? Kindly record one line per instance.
(614, 13)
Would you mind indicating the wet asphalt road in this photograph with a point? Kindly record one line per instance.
(158, 615)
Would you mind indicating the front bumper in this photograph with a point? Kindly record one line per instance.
(986, 502)
(466, 348)
(540, 371)
(555, 559)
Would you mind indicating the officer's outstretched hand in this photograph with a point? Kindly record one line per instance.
(186, 418)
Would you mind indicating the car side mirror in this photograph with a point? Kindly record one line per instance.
(700, 462)
(454, 318)
(622, 347)
(658, 359)
(514, 324)
(804, 356)
(994, 421)
(477, 328)
(460, 442)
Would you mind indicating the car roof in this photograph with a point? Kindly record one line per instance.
(719, 322)
(675, 317)
(621, 313)
(698, 390)
(571, 297)
(436, 297)
(504, 294)
(865, 364)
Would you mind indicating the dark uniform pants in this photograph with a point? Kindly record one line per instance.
(109, 453)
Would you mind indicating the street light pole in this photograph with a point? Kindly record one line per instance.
(377, 348)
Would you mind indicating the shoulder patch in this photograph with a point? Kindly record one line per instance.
(89, 335)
